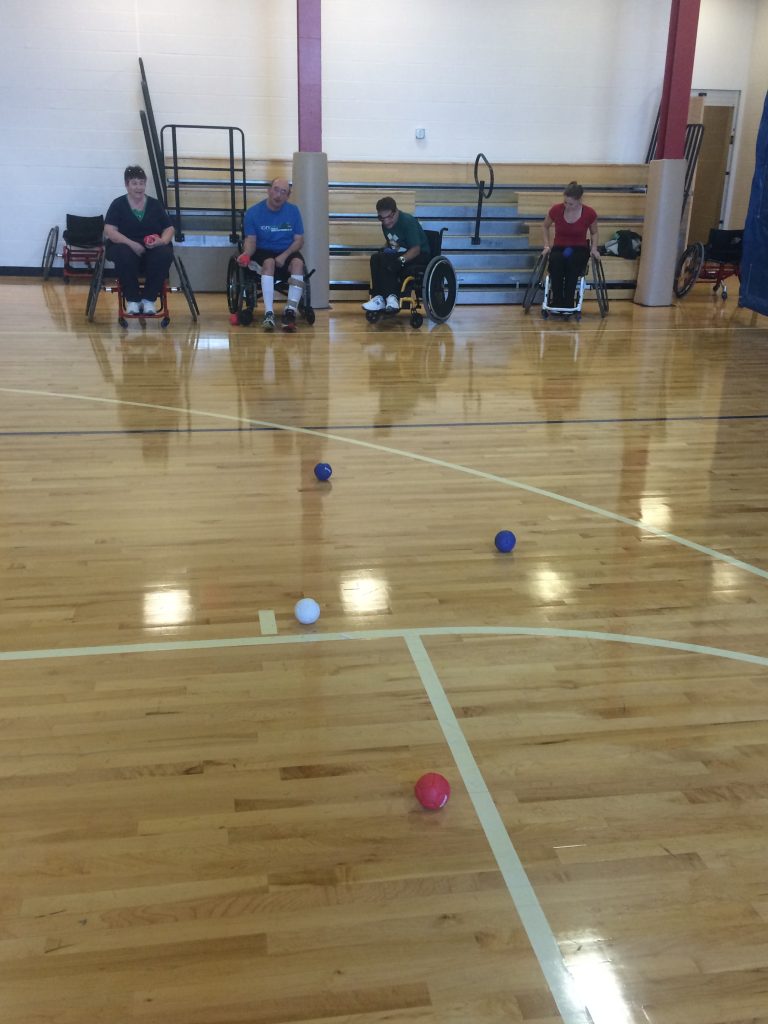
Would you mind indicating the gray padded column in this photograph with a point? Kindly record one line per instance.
(310, 193)
(661, 231)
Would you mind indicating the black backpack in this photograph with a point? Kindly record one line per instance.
(629, 243)
(623, 243)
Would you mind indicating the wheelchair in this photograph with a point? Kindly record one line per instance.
(540, 282)
(244, 291)
(123, 316)
(435, 285)
(83, 246)
(716, 261)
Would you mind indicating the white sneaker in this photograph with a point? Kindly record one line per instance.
(148, 307)
(134, 308)
(393, 303)
(374, 304)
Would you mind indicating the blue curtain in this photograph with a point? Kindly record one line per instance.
(754, 260)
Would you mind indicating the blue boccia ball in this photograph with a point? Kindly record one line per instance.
(567, 252)
(323, 471)
(505, 540)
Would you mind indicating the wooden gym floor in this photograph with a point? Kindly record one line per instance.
(206, 809)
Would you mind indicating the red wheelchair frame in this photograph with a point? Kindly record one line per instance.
(716, 261)
(123, 316)
(82, 250)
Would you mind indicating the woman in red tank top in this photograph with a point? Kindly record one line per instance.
(570, 249)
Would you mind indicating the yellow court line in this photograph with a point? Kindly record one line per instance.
(267, 623)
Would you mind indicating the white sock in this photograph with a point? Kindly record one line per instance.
(295, 291)
(268, 292)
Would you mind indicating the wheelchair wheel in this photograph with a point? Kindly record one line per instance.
(536, 282)
(688, 269)
(305, 303)
(95, 288)
(598, 283)
(438, 289)
(416, 320)
(186, 287)
(49, 252)
(234, 290)
(241, 292)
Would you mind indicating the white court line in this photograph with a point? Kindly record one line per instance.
(440, 463)
(532, 917)
(267, 623)
(552, 632)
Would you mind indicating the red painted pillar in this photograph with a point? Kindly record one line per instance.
(678, 75)
(310, 79)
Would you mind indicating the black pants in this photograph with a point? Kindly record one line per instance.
(564, 272)
(154, 264)
(387, 272)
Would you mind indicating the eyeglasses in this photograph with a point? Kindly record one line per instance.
(386, 216)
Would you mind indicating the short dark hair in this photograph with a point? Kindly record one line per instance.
(573, 190)
(134, 171)
(387, 203)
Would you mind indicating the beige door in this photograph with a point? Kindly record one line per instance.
(711, 170)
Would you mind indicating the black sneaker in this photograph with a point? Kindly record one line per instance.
(288, 319)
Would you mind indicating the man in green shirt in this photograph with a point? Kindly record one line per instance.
(407, 246)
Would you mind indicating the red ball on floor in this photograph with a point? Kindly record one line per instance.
(432, 791)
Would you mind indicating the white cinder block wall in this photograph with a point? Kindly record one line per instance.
(521, 80)
(543, 81)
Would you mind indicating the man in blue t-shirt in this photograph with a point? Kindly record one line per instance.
(274, 233)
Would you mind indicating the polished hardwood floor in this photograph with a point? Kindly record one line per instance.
(206, 809)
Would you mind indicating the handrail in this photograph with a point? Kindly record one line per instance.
(481, 184)
(481, 194)
(149, 127)
(233, 181)
(153, 166)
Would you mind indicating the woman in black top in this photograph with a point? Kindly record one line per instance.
(139, 234)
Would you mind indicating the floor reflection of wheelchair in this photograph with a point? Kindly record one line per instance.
(244, 291)
(435, 285)
(162, 314)
(407, 370)
(83, 246)
(540, 282)
(716, 261)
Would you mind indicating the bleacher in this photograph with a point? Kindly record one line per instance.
(495, 271)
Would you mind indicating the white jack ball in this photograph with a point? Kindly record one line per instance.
(307, 611)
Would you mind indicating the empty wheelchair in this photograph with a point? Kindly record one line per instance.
(123, 316)
(432, 288)
(83, 245)
(244, 291)
(716, 261)
(540, 284)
